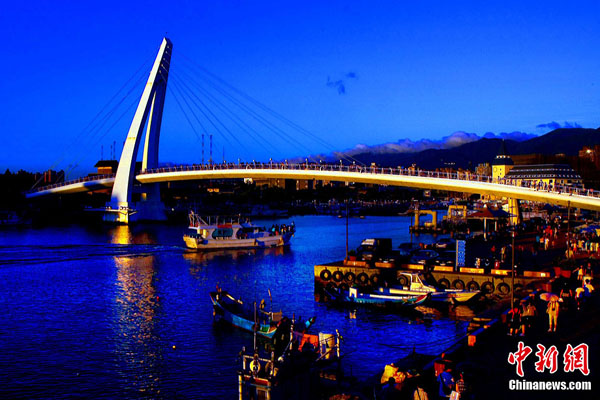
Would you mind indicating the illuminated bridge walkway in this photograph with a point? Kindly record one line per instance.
(455, 182)
(147, 122)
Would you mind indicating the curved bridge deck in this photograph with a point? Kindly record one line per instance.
(457, 182)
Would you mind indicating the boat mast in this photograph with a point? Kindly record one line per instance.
(255, 327)
(346, 229)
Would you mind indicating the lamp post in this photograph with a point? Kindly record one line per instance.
(512, 292)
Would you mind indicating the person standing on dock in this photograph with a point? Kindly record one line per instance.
(529, 314)
(514, 320)
(446, 381)
(552, 311)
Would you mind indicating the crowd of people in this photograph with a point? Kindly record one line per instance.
(277, 229)
(573, 295)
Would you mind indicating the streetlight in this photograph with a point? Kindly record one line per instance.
(512, 292)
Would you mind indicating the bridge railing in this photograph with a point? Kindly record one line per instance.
(323, 167)
(72, 182)
(463, 176)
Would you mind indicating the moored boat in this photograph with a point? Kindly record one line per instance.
(415, 286)
(355, 296)
(219, 234)
(302, 369)
(235, 312)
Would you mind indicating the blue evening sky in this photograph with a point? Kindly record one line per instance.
(348, 72)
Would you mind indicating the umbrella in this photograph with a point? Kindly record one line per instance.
(548, 297)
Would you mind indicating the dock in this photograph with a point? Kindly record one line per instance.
(346, 273)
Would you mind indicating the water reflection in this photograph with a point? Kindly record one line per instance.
(124, 234)
(205, 257)
(137, 345)
(462, 312)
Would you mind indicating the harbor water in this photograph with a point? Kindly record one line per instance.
(123, 311)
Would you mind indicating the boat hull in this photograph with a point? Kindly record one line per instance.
(197, 243)
(222, 313)
(447, 296)
(375, 299)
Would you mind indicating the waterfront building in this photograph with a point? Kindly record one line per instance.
(545, 174)
(106, 167)
(483, 169)
(502, 164)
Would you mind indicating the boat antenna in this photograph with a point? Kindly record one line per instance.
(270, 301)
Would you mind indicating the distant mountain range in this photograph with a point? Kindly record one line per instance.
(566, 141)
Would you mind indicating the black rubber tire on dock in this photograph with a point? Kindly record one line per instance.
(362, 278)
(487, 287)
(445, 283)
(375, 279)
(325, 275)
(458, 284)
(338, 276)
(503, 288)
(349, 277)
(473, 285)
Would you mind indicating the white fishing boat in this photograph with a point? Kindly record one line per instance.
(234, 233)
(414, 285)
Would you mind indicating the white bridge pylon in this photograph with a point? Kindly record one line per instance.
(148, 113)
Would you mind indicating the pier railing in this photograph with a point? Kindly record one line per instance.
(398, 171)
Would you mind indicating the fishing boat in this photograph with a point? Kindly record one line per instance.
(354, 296)
(234, 233)
(413, 285)
(233, 311)
(301, 369)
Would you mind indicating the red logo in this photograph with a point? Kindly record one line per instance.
(546, 359)
(574, 358)
(519, 356)
(577, 358)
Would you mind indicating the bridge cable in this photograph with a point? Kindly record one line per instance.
(125, 112)
(259, 118)
(93, 123)
(205, 111)
(215, 126)
(245, 109)
(265, 122)
(234, 118)
(100, 126)
(186, 116)
(272, 112)
(230, 115)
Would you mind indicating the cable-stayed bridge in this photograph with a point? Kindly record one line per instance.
(148, 119)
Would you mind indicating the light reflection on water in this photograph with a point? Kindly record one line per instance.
(108, 304)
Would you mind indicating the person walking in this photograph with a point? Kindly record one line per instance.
(552, 310)
(529, 314)
(566, 294)
(514, 320)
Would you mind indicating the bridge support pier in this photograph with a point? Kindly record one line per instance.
(514, 210)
